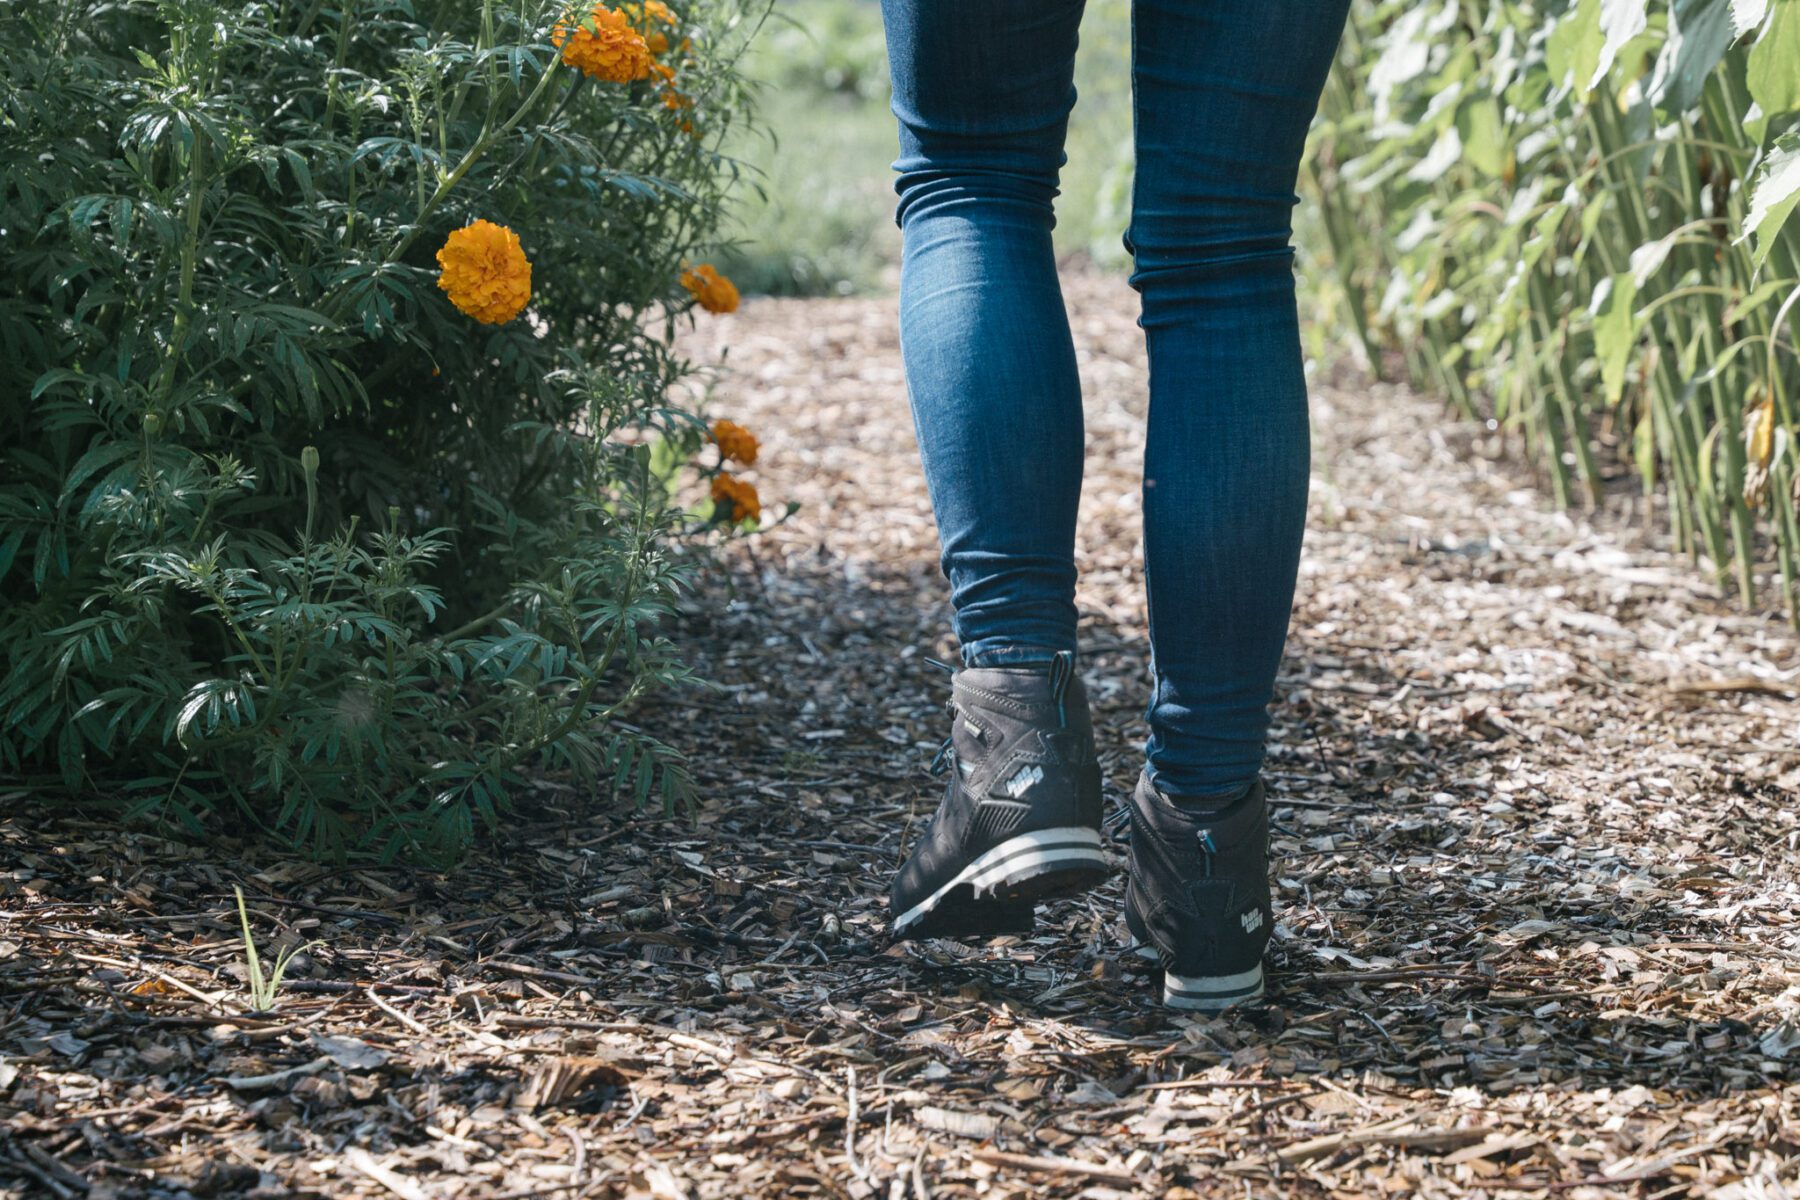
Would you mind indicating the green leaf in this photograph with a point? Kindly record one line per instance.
(1747, 15)
(1773, 197)
(1615, 330)
(1754, 299)
(1620, 21)
(1774, 71)
(1585, 43)
(1648, 258)
(1573, 49)
(1483, 133)
(101, 455)
(1700, 31)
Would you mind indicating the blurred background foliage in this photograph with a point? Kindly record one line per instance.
(817, 216)
(1571, 219)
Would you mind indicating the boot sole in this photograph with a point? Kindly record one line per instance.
(1041, 865)
(1197, 993)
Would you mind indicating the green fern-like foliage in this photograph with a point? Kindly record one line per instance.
(282, 532)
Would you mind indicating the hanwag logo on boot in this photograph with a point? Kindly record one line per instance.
(1023, 779)
(1251, 920)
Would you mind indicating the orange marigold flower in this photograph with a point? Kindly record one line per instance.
(663, 71)
(714, 292)
(736, 498)
(642, 15)
(650, 10)
(485, 273)
(604, 46)
(686, 126)
(675, 101)
(735, 442)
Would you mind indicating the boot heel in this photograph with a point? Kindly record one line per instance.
(1041, 865)
(1212, 993)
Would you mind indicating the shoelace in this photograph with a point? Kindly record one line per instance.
(1116, 825)
(944, 758)
(946, 753)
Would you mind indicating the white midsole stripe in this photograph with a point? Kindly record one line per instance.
(1214, 1004)
(1026, 852)
(1199, 985)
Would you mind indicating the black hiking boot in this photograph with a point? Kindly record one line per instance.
(1020, 819)
(1198, 899)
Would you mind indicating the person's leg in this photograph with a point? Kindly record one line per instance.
(1224, 93)
(982, 92)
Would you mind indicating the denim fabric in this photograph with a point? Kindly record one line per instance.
(1223, 93)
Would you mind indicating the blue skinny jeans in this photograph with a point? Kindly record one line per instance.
(1223, 92)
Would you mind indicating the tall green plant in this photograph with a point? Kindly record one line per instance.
(281, 529)
(1575, 219)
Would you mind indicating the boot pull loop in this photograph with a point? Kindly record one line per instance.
(1062, 670)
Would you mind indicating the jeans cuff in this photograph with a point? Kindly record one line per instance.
(1203, 786)
(1003, 654)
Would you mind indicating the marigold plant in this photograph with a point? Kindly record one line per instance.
(286, 541)
(736, 444)
(485, 272)
(711, 290)
(735, 498)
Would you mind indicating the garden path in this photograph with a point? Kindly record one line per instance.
(1538, 868)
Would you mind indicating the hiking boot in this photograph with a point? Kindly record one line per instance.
(1198, 899)
(1020, 819)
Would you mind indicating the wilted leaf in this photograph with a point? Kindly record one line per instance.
(1759, 430)
(1759, 443)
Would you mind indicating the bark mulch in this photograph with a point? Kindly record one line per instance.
(1536, 854)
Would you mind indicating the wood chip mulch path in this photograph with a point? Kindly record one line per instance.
(1536, 852)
